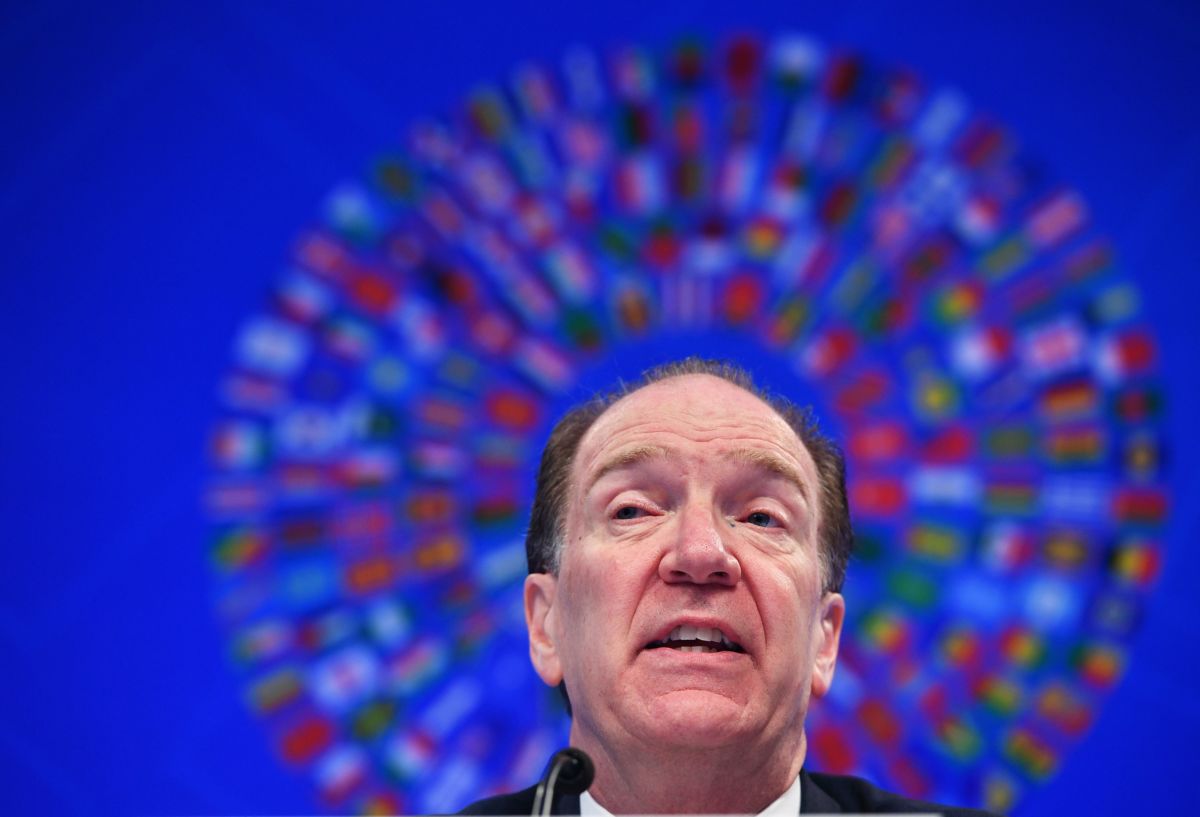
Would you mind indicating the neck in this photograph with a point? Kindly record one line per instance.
(651, 780)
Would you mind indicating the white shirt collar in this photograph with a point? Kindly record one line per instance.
(788, 804)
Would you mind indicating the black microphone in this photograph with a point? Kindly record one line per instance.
(570, 772)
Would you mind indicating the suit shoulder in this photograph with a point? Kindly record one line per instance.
(855, 794)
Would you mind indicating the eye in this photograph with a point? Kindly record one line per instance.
(762, 519)
(628, 512)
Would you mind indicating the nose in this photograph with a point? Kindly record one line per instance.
(698, 553)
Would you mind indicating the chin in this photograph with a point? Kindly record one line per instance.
(697, 719)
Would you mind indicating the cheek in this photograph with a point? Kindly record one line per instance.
(790, 592)
(601, 598)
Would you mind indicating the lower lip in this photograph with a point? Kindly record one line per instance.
(716, 657)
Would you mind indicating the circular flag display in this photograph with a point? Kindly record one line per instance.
(862, 241)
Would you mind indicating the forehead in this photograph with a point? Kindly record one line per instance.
(701, 414)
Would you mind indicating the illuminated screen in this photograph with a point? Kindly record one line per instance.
(862, 239)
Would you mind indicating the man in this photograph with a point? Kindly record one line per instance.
(687, 544)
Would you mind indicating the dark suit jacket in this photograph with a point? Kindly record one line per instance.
(819, 794)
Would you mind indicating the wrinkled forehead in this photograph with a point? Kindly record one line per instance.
(700, 408)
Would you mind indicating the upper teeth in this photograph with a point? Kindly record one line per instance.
(686, 632)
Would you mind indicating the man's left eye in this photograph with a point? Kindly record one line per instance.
(761, 519)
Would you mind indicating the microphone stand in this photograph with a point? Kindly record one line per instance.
(570, 772)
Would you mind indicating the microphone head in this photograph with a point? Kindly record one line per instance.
(577, 771)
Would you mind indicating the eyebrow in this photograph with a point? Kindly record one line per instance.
(772, 464)
(627, 458)
(762, 460)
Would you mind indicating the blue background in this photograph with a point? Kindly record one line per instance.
(157, 163)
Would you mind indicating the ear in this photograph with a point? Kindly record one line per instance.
(541, 620)
(827, 637)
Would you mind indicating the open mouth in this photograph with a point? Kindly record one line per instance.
(687, 638)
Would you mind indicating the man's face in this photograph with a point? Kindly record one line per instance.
(692, 506)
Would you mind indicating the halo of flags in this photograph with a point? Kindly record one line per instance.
(887, 248)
